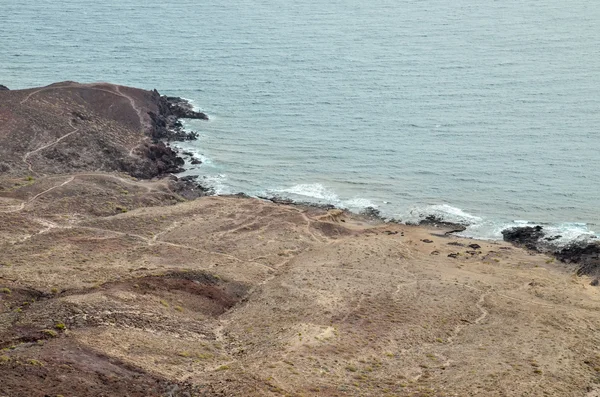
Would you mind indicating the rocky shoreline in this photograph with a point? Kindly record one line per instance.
(167, 127)
(584, 254)
(114, 285)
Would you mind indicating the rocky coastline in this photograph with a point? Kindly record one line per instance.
(116, 281)
(583, 254)
(166, 127)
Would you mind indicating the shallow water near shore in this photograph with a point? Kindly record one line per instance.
(481, 114)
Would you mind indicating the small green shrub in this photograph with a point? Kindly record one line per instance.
(35, 363)
(50, 333)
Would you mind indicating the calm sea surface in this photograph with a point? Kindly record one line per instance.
(486, 112)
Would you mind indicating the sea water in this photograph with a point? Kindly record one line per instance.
(485, 113)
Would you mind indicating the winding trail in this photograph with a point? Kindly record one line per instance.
(24, 204)
(29, 154)
(136, 108)
(143, 122)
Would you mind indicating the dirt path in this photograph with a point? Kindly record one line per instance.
(117, 92)
(136, 108)
(29, 154)
(145, 185)
(24, 204)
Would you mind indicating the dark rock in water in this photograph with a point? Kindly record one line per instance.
(586, 254)
(187, 154)
(195, 161)
(166, 124)
(552, 238)
(240, 195)
(474, 246)
(4, 88)
(371, 212)
(277, 200)
(182, 109)
(595, 283)
(526, 236)
(435, 221)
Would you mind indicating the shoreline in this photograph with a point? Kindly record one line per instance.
(581, 253)
(112, 284)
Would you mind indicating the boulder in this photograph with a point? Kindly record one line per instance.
(524, 236)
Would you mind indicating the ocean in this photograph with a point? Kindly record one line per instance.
(486, 113)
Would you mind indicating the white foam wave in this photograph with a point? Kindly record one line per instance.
(311, 191)
(320, 194)
(443, 212)
(217, 183)
(558, 234)
(358, 204)
(186, 147)
(192, 102)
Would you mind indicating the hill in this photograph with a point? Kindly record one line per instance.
(112, 283)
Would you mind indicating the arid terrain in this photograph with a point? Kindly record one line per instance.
(112, 285)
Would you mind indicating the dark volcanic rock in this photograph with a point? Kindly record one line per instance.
(371, 212)
(586, 254)
(164, 160)
(526, 236)
(432, 220)
(3, 88)
(189, 188)
(165, 122)
(182, 109)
